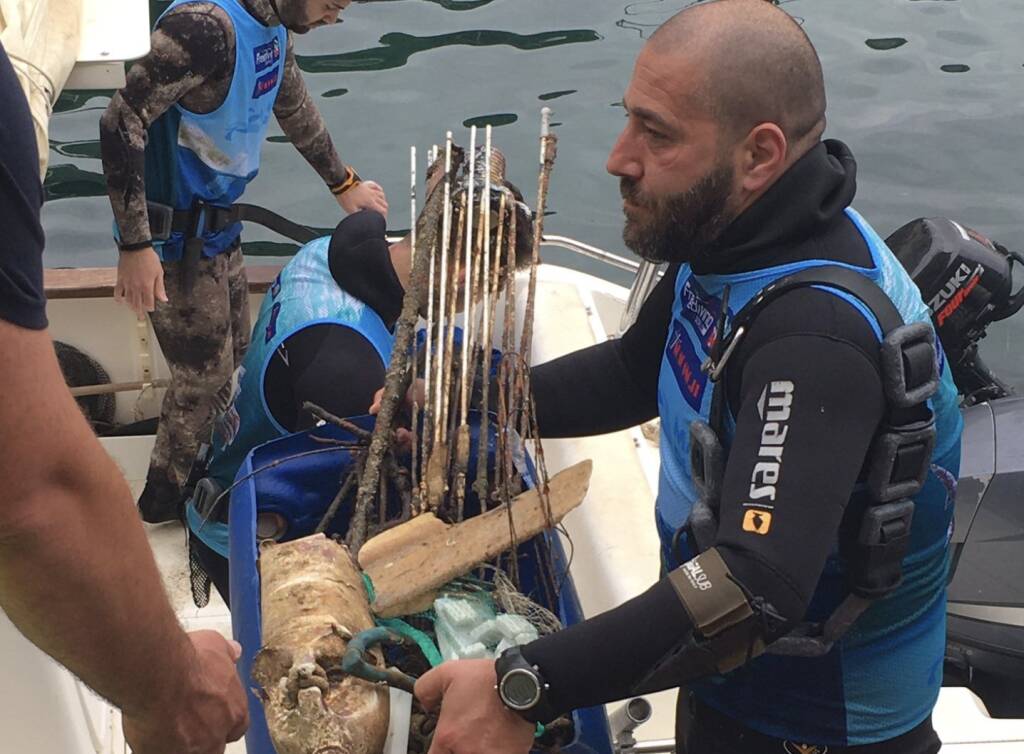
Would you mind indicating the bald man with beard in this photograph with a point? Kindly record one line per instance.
(724, 176)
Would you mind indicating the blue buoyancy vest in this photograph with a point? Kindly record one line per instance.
(303, 294)
(212, 157)
(884, 675)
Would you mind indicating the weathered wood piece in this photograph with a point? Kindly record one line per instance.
(422, 555)
(313, 602)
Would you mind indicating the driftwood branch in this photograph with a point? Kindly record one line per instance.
(327, 416)
(397, 380)
(548, 152)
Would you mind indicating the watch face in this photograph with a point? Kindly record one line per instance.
(520, 689)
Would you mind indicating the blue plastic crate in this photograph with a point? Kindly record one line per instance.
(300, 488)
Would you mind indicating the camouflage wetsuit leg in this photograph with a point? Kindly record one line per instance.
(241, 318)
(203, 336)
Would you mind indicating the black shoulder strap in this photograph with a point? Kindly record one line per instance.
(857, 285)
(830, 275)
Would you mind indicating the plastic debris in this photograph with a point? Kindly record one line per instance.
(467, 628)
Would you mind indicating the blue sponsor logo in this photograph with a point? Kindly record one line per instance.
(685, 365)
(266, 55)
(701, 310)
(265, 83)
(271, 329)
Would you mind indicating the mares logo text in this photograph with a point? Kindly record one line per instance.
(774, 408)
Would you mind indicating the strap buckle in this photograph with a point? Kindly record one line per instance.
(217, 218)
(910, 370)
(206, 498)
(707, 461)
(205, 218)
(713, 367)
(900, 460)
(161, 220)
(884, 538)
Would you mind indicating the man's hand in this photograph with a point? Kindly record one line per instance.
(417, 392)
(140, 280)
(473, 719)
(365, 195)
(206, 714)
(403, 437)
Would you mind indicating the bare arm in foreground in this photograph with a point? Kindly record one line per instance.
(77, 575)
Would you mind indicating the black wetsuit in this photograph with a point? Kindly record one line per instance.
(810, 337)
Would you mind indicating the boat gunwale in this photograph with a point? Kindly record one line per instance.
(98, 282)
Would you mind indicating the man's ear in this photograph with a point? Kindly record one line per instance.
(761, 157)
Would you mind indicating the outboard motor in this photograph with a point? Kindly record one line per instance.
(967, 282)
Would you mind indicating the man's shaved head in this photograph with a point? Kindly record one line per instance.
(757, 66)
(724, 99)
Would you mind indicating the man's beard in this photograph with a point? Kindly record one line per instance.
(289, 13)
(680, 227)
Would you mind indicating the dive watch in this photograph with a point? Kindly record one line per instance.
(522, 688)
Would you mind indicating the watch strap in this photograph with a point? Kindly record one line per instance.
(541, 712)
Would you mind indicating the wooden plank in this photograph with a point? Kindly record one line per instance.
(84, 282)
(98, 282)
(418, 565)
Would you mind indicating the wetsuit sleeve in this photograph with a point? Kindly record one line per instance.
(836, 405)
(302, 123)
(189, 48)
(22, 300)
(610, 386)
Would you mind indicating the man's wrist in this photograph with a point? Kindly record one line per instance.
(135, 246)
(521, 687)
(350, 181)
(173, 684)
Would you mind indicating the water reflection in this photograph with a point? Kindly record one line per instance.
(397, 47)
(70, 181)
(886, 43)
(546, 97)
(646, 16)
(496, 120)
(89, 149)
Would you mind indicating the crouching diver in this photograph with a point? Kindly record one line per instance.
(324, 335)
(180, 143)
(803, 608)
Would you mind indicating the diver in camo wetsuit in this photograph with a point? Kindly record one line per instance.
(187, 128)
